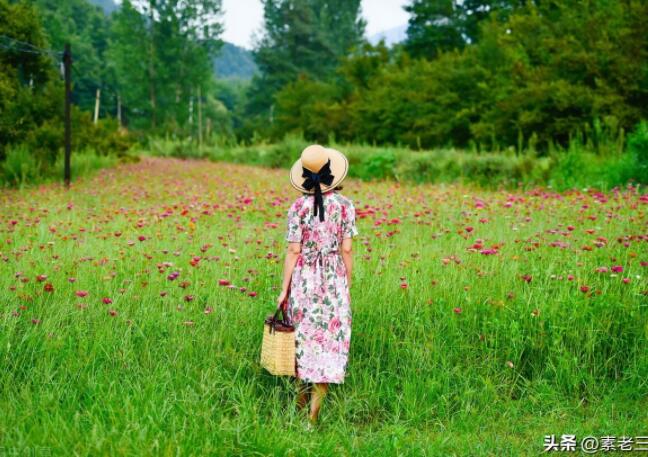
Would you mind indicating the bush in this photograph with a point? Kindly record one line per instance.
(83, 163)
(638, 149)
(378, 165)
(20, 166)
(575, 167)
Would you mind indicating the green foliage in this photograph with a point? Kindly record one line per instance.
(85, 27)
(161, 56)
(379, 165)
(19, 167)
(575, 167)
(441, 25)
(302, 37)
(535, 75)
(638, 149)
(22, 167)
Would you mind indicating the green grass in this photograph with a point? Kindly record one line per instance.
(577, 166)
(165, 376)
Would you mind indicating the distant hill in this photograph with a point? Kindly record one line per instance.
(107, 5)
(391, 36)
(234, 62)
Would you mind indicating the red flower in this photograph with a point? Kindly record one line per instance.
(223, 282)
(81, 293)
(617, 268)
(584, 289)
(106, 300)
(457, 310)
(527, 278)
(112, 312)
(41, 278)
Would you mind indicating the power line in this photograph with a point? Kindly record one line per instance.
(13, 44)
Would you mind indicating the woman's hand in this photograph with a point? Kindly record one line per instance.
(282, 296)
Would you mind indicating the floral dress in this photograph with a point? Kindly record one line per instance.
(319, 300)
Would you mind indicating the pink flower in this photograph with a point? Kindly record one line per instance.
(626, 280)
(617, 268)
(457, 310)
(223, 282)
(81, 293)
(334, 325)
(106, 300)
(584, 289)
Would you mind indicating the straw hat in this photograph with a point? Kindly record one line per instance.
(316, 158)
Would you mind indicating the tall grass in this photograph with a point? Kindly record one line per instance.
(477, 355)
(582, 164)
(22, 168)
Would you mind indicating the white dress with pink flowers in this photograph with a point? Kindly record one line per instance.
(319, 302)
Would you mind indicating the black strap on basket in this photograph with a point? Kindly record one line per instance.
(284, 324)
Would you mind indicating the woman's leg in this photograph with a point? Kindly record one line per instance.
(303, 389)
(318, 394)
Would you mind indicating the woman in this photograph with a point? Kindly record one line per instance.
(317, 273)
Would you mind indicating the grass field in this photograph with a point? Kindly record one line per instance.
(483, 320)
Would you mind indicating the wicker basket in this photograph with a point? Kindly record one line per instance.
(278, 346)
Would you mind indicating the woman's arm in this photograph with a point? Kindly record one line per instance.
(289, 265)
(347, 258)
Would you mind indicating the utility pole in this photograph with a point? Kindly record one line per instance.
(97, 101)
(200, 135)
(67, 66)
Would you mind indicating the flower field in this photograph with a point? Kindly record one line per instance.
(132, 310)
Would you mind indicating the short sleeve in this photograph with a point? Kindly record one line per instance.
(349, 229)
(294, 230)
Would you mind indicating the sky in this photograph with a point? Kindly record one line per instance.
(244, 18)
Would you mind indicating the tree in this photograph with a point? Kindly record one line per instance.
(86, 28)
(171, 43)
(441, 25)
(302, 37)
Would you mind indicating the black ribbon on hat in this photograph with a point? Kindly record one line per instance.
(313, 180)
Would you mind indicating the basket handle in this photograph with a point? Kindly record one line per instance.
(283, 306)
